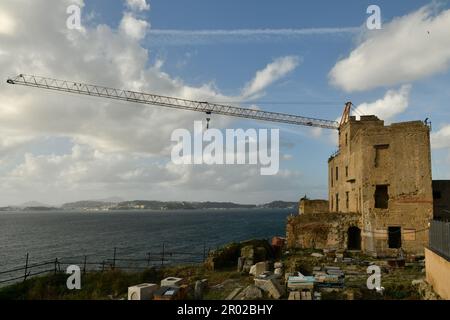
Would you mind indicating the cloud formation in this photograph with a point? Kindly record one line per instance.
(441, 138)
(392, 104)
(274, 71)
(408, 48)
(185, 37)
(108, 147)
(138, 5)
(133, 27)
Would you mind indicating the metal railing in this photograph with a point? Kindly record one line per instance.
(440, 238)
(88, 263)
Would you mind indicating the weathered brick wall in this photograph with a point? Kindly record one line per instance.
(307, 206)
(397, 156)
(321, 230)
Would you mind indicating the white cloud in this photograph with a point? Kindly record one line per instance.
(393, 103)
(387, 108)
(138, 5)
(441, 138)
(271, 73)
(189, 37)
(7, 22)
(118, 148)
(408, 48)
(134, 28)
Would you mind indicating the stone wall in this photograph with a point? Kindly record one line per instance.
(384, 173)
(321, 230)
(307, 206)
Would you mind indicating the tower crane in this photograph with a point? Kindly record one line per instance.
(170, 102)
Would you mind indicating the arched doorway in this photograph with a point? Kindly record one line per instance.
(354, 238)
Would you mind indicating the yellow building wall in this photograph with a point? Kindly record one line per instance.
(438, 273)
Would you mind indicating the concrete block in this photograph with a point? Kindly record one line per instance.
(294, 295)
(278, 265)
(247, 252)
(171, 282)
(260, 268)
(278, 271)
(143, 291)
(271, 286)
(249, 293)
(240, 264)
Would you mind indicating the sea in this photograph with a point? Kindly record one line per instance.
(80, 237)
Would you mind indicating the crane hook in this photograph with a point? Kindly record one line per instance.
(208, 118)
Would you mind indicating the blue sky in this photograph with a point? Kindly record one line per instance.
(220, 66)
(307, 91)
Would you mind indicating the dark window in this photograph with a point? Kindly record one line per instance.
(346, 139)
(337, 202)
(331, 176)
(337, 173)
(395, 237)
(346, 199)
(346, 171)
(360, 200)
(437, 195)
(381, 197)
(354, 238)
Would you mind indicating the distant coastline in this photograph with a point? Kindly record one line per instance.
(89, 205)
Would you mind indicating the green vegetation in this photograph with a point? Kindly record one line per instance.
(113, 284)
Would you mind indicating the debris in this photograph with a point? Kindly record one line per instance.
(417, 282)
(247, 252)
(306, 295)
(278, 265)
(301, 282)
(317, 255)
(259, 268)
(240, 264)
(142, 291)
(252, 270)
(249, 293)
(294, 295)
(167, 293)
(271, 285)
(278, 271)
(198, 290)
(171, 282)
(233, 294)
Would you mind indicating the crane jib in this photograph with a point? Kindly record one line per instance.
(164, 101)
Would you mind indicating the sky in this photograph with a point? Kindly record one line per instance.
(299, 57)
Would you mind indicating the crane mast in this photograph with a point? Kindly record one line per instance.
(164, 101)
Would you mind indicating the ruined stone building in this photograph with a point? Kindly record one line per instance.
(380, 196)
(441, 199)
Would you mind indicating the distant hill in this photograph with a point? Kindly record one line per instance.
(280, 204)
(39, 208)
(169, 205)
(30, 204)
(177, 205)
(87, 204)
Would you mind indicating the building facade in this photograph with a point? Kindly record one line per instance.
(384, 174)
